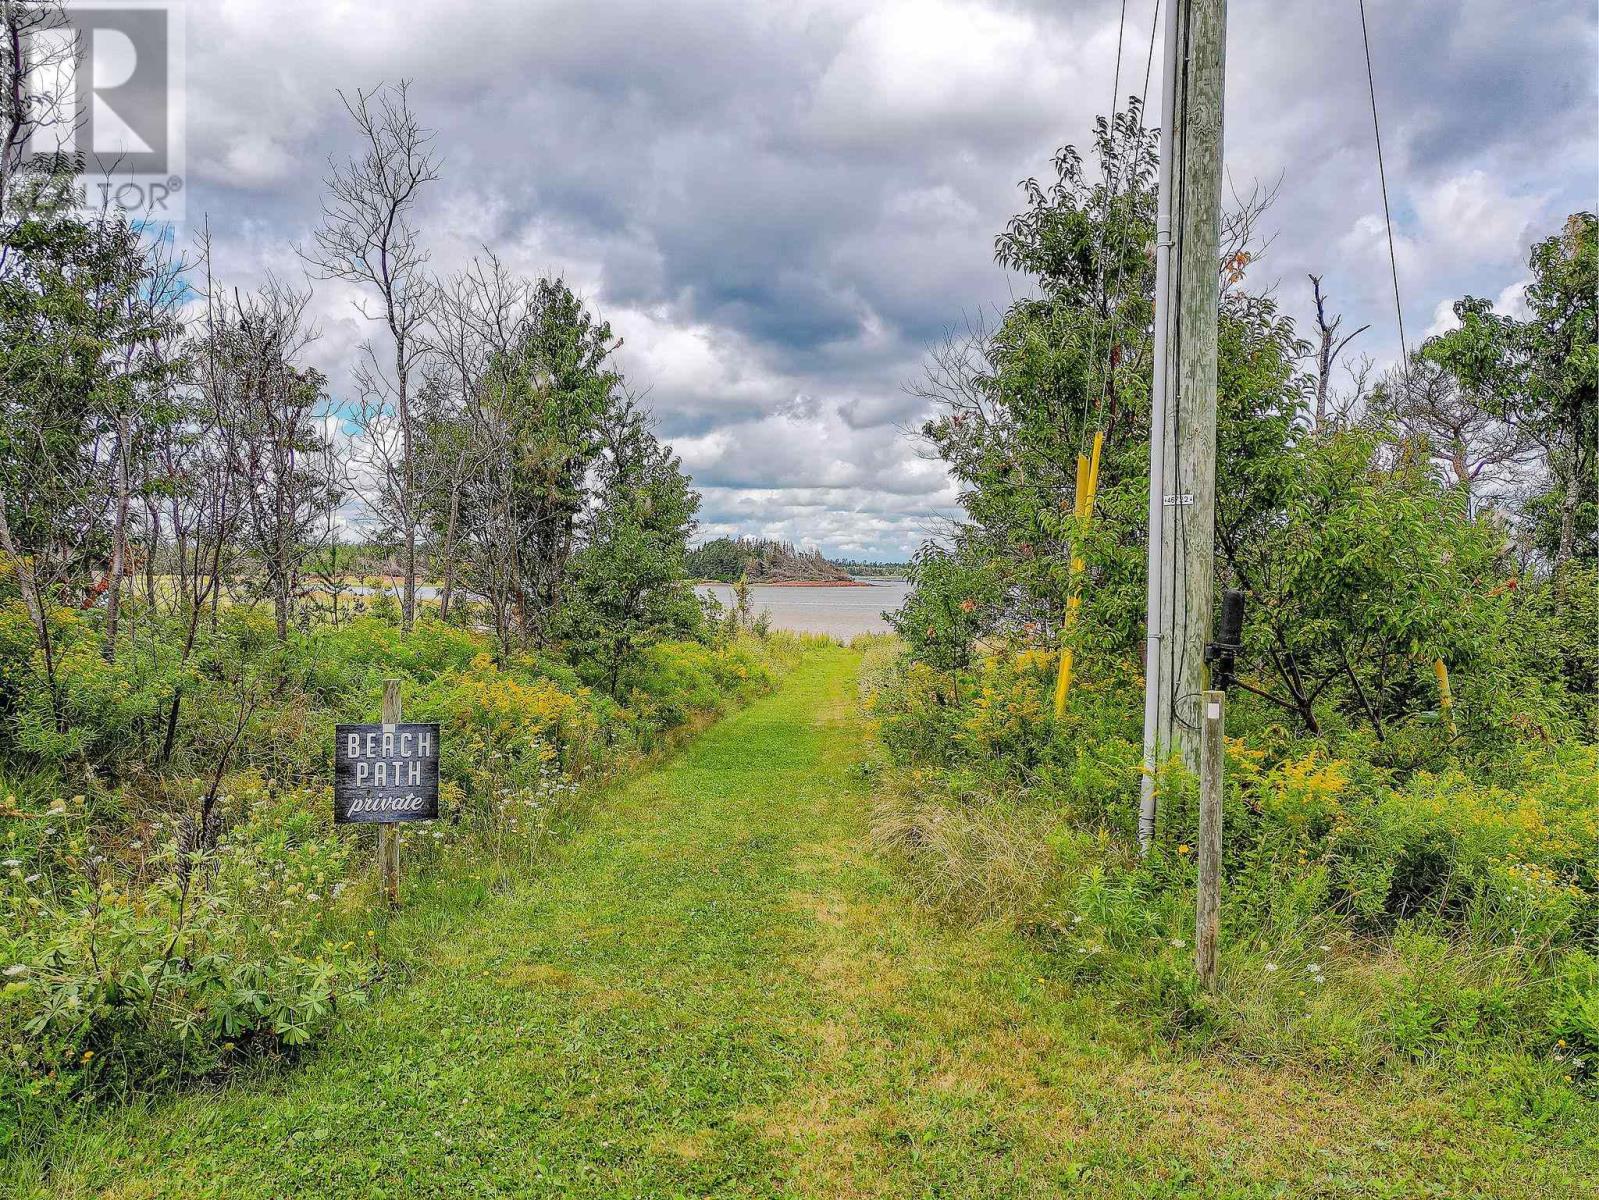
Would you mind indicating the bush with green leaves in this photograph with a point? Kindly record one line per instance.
(163, 921)
(1372, 913)
(137, 956)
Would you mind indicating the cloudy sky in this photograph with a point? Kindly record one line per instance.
(779, 204)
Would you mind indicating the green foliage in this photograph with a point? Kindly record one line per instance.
(80, 362)
(1372, 914)
(716, 932)
(1541, 376)
(1361, 565)
(147, 943)
(1402, 883)
(158, 962)
(628, 584)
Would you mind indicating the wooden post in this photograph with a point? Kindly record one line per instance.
(1183, 441)
(1189, 503)
(1211, 753)
(389, 831)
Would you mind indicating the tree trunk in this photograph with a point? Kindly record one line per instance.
(33, 601)
(119, 545)
(449, 540)
(1568, 521)
(407, 469)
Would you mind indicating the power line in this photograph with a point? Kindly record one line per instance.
(1387, 216)
(1111, 186)
(1126, 226)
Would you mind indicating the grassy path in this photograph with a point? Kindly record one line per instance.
(714, 990)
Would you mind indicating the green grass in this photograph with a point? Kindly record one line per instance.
(714, 989)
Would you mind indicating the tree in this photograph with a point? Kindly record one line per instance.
(628, 583)
(277, 454)
(1329, 349)
(558, 390)
(478, 316)
(1361, 571)
(77, 371)
(367, 238)
(148, 369)
(1361, 564)
(1540, 377)
(1474, 445)
(36, 94)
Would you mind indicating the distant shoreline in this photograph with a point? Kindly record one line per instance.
(791, 583)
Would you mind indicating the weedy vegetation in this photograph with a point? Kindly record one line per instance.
(1412, 799)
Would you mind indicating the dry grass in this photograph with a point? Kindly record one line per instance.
(980, 863)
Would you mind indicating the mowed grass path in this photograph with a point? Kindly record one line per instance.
(714, 989)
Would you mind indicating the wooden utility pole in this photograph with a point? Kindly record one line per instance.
(1212, 754)
(1183, 427)
(389, 831)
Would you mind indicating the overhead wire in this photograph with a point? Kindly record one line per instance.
(1126, 228)
(1111, 186)
(1387, 213)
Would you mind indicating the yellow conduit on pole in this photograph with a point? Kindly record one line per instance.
(1087, 491)
(1446, 698)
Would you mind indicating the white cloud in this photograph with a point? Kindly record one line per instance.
(779, 205)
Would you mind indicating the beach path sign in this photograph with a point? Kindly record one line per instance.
(386, 773)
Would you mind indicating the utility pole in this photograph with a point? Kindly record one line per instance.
(1182, 475)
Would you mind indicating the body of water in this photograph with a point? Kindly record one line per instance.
(841, 612)
(835, 611)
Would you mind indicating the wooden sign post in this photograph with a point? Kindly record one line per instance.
(383, 775)
(389, 831)
(1211, 755)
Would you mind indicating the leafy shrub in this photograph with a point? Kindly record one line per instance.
(1375, 911)
(172, 962)
(143, 943)
(1574, 1013)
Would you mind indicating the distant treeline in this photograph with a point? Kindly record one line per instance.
(874, 570)
(728, 560)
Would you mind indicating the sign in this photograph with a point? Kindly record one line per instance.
(384, 773)
(1182, 501)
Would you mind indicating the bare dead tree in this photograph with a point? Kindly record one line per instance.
(479, 315)
(276, 444)
(1242, 242)
(1477, 449)
(367, 238)
(498, 309)
(1329, 349)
